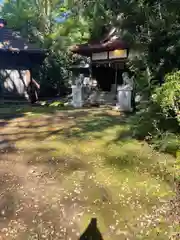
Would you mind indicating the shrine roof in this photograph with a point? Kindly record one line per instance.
(12, 40)
(17, 52)
(110, 43)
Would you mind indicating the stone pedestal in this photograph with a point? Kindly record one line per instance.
(77, 100)
(124, 97)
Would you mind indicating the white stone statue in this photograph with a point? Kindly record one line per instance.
(128, 82)
(124, 93)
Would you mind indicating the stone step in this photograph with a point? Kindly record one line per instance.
(102, 97)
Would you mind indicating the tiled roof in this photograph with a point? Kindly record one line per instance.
(16, 52)
(109, 43)
(10, 39)
(88, 49)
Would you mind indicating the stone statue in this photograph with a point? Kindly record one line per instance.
(127, 82)
(124, 93)
(79, 80)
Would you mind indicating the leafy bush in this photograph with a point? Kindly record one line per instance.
(168, 96)
(144, 122)
(167, 142)
(158, 120)
(150, 120)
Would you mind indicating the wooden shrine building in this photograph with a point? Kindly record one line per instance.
(108, 59)
(17, 59)
(108, 62)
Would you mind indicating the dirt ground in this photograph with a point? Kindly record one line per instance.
(53, 179)
(33, 204)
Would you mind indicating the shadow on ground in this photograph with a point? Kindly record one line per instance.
(80, 124)
(95, 123)
(75, 164)
(92, 231)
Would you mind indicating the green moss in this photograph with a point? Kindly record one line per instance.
(121, 180)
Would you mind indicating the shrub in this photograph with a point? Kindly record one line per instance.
(144, 122)
(167, 142)
(150, 120)
(168, 96)
(158, 120)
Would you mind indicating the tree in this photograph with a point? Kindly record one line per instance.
(150, 27)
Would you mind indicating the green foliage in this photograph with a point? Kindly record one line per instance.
(158, 119)
(151, 28)
(167, 142)
(168, 96)
(144, 122)
(152, 125)
(57, 104)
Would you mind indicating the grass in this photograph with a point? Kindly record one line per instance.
(123, 182)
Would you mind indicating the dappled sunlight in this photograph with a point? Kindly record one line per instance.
(87, 160)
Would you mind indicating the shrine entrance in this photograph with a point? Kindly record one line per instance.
(107, 75)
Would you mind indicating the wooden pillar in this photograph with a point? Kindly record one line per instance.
(116, 75)
(32, 94)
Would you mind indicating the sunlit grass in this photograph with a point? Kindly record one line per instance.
(121, 181)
